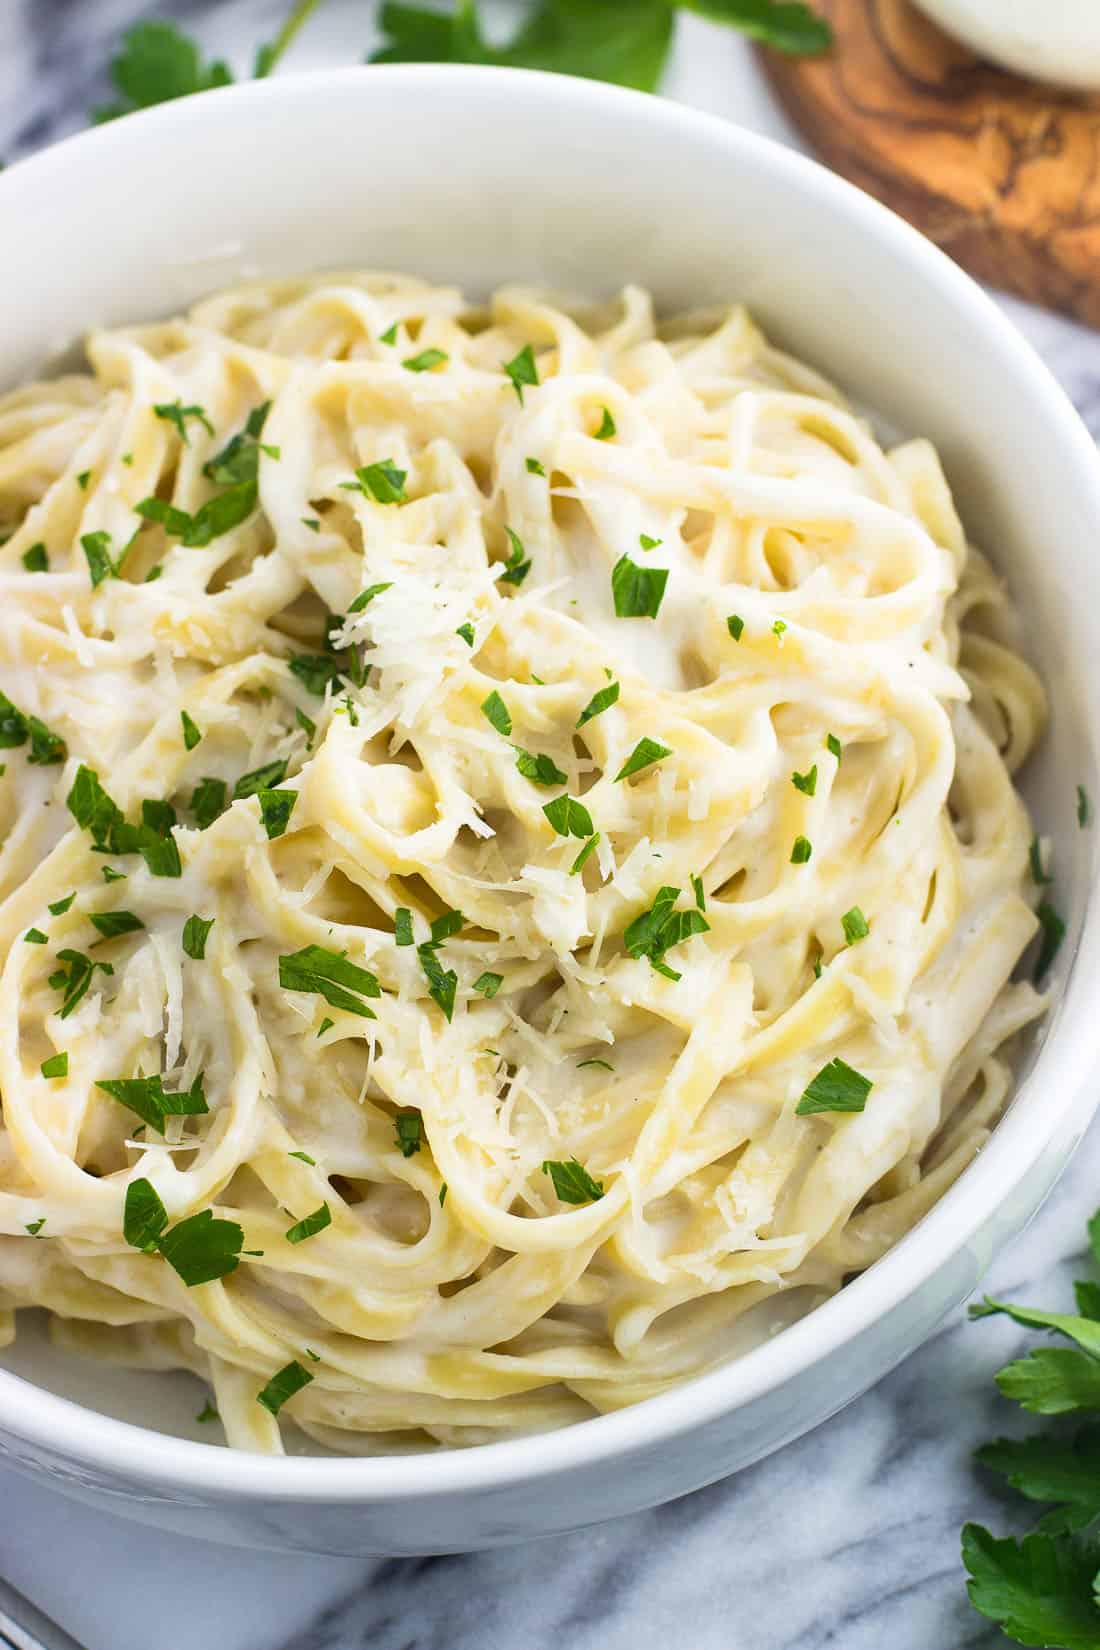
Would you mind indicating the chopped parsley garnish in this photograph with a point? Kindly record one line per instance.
(855, 925)
(56, 1066)
(697, 890)
(518, 565)
(209, 799)
(833, 744)
(315, 671)
(607, 426)
(383, 482)
(276, 808)
(645, 753)
(572, 1181)
(805, 782)
(238, 463)
(112, 923)
(47, 748)
(603, 1065)
(174, 412)
(310, 1225)
(35, 936)
(332, 977)
(365, 597)
(534, 468)
(660, 928)
(144, 1216)
(569, 817)
(147, 1097)
(837, 1087)
(488, 984)
(220, 513)
(283, 1385)
(311, 522)
(409, 1132)
(403, 926)
(523, 372)
(585, 855)
(75, 981)
(326, 1025)
(648, 543)
(60, 906)
(1084, 810)
(599, 702)
(196, 932)
(801, 851)
(95, 811)
(778, 628)
(735, 624)
(304, 1157)
(1035, 862)
(447, 925)
(426, 360)
(466, 631)
(637, 591)
(36, 559)
(83, 479)
(442, 1194)
(1053, 931)
(307, 725)
(442, 983)
(264, 778)
(497, 713)
(97, 553)
(207, 1413)
(389, 336)
(202, 1248)
(191, 734)
(538, 768)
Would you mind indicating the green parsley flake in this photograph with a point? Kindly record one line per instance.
(538, 768)
(146, 1097)
(326, 1025)
(403, 926)
(36, 559)
(311, 522)
(35, 1226)
(307, 725)
(56, 1066)
(383, 482)
(35, 936)
(660, 928)
(60, 906)
(607, 427)
(442, 1194)
(585, 855)
(523, 372)
(409, 1132)
(389, 336)
(283, 1385)
(203, 1249)
(315, 671)
(834, 746)
(191, 734)
(76, 980)
(112, 923)
(332, 977)
(426, 361)
(778, 628)
(304, 1157)
(735, 624)
(805, 782)
(645, 753)
(1084, 810)
(47, 748)
(855, 925)
(534, 468)
(209, 800)
(144, 1216)
(801, 851)
(365, 597)
(637, 591)
(446, 926)
(1053, 931)
(442, 983)
(264, 778)
(276, 808)
(572, 1181)
(837, 1087)
(518, 565)
(310, 1225)
(97, 553)
(599, 702)
(174, 412)
(648, 543)
(603, 1065)
(569, 817)
(83, 479)
(196, 932)
(497, 713)
(207, 1413)
(466, 631)
(488, 984)
(1035, 862)
(697, 890)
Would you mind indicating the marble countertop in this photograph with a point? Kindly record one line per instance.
(849, 1537)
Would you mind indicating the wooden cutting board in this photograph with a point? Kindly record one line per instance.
(1003, 173)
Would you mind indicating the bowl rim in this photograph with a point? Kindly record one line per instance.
(63, 1428)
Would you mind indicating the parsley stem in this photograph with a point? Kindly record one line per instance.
(269, 55)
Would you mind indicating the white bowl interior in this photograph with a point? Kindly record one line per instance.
(475, 177)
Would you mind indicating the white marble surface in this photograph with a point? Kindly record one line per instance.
(848, 1538)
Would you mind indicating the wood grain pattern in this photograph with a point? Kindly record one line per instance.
(1004, 174)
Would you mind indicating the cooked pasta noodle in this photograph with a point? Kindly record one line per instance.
(488, 1084)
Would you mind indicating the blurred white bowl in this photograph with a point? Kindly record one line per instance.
(479, 176)
(1055, 40)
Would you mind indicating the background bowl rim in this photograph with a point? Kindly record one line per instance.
(62, 1427)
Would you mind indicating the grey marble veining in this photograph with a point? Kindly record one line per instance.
(847, 1539)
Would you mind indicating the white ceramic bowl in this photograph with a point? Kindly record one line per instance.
(1041, 40)
(478, 176)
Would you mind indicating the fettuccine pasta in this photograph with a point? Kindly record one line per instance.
(510, 858)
